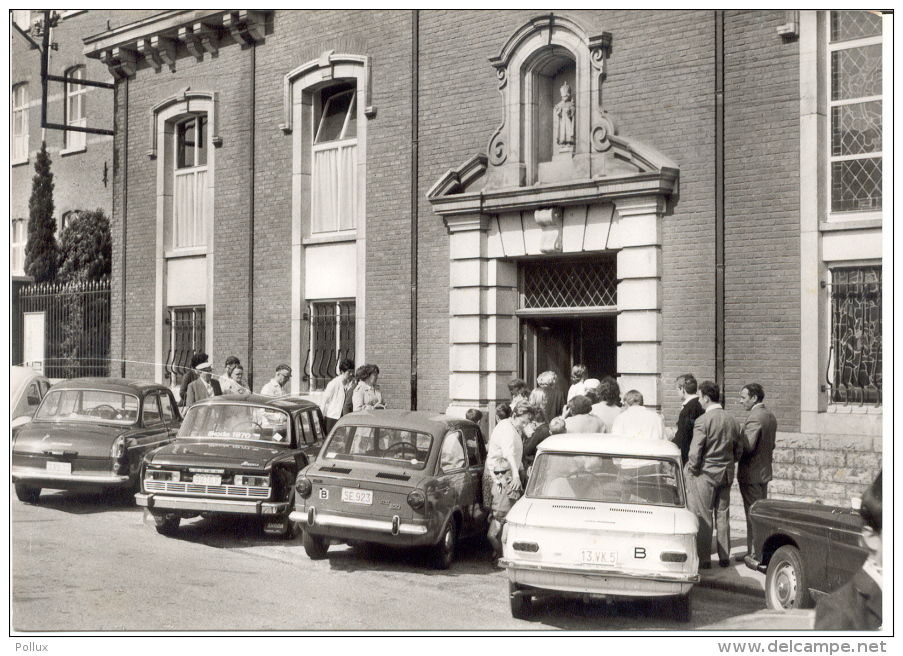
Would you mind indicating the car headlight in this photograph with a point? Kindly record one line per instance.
(303, 486)
(162, 475)
(255, 481)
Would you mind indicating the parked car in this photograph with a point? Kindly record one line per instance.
(26, 389)
(236, 454)
(804, 549)
(91, 433)
(602, 515)
(394, 477)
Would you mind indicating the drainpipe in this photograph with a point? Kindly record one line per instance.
(719, 199)
(415, 116)
(123, 88)
(251, 174)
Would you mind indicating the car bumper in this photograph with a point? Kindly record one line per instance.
(57, 480)
(750, 561)
(388, 531)
(193, 504)
(597, 581)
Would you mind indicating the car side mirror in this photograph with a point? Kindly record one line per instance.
(856, 503)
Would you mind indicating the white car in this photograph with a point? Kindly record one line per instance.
(602, 515)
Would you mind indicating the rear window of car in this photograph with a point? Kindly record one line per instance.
(96, 406)
(236, 422)
(390, 446)
(592, 477)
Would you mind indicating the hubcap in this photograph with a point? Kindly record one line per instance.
(785, 586)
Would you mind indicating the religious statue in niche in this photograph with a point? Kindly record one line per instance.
(564, 118)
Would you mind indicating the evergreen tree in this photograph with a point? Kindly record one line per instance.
(86, 248)
(41, 254)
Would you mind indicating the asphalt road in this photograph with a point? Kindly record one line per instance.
(86, 562)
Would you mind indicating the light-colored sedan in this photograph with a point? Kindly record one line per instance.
(602, 516)
(26, 389)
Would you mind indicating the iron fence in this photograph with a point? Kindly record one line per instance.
(76, 326)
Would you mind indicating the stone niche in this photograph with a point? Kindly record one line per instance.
(558, 179)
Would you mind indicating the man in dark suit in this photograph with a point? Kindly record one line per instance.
(710, 472)
(758, 438)
(856, 606)
(689, 413)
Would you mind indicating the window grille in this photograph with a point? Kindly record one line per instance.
(855, 367)
(856, 111)
(187, 336)
(331, 339)
(569, 283)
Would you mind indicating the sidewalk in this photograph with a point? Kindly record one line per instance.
(737, 577)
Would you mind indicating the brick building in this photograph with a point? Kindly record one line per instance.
(465, 197)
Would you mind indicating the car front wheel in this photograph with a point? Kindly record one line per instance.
(786, 586)
(314, 547)
(27, 494)
(521, 603)
(444, 551)
(167, 525)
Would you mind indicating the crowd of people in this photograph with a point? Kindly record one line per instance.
(713, 443)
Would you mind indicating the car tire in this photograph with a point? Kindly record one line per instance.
(27, 494)
(315, 547)
(521, 603)
(681, 609)
(786, 586)
(167, 525)
(444, 550)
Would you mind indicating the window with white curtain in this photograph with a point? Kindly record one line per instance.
(19, 140)
(75, 108)
(855, 105)
(190, 183)
(334, 175)
(17, 238)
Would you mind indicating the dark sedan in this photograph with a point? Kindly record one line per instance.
(804, 549)
(91, 433)
(235, 454)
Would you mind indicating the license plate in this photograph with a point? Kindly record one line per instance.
(363, 497)
(206, 479)
(598, 557)
(59, 467)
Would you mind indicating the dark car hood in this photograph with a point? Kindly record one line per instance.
(807, 513)
(212, 453)
(84, 438)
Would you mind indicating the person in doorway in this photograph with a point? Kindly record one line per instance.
(578, 381)
(710, 472)
(637, 421)
(366, 394)
(276, 387)
(201, 388)
(856, 606)
(690, 411)
(758, 439)
(577, 417)
(608, 406)
(333, 400)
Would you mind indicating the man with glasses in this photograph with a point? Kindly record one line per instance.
(276, 387)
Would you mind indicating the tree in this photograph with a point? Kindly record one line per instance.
(41, 254)
(86, 248)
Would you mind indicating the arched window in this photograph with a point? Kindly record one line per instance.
(75, 108)
(19, 141)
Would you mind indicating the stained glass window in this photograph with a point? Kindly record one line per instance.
(856, 373)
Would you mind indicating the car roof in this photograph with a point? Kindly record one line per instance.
(19, 376)
(412, 420)
(128, 385)
(289, 403)
(606, 443)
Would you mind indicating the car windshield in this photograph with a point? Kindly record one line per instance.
(98, 406)
(618, 479)
(391, 446)
(236, 422)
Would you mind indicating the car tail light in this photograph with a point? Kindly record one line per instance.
(303, 486)
(118, 453)
(525, 546)
(254, 481)
(416, 499)
(674, 557)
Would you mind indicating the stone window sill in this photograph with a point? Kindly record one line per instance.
(331, 237)
(75, 149)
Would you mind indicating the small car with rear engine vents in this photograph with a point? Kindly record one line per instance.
(236, 454)
(91, 433)
(602, 516)
(394, 477)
